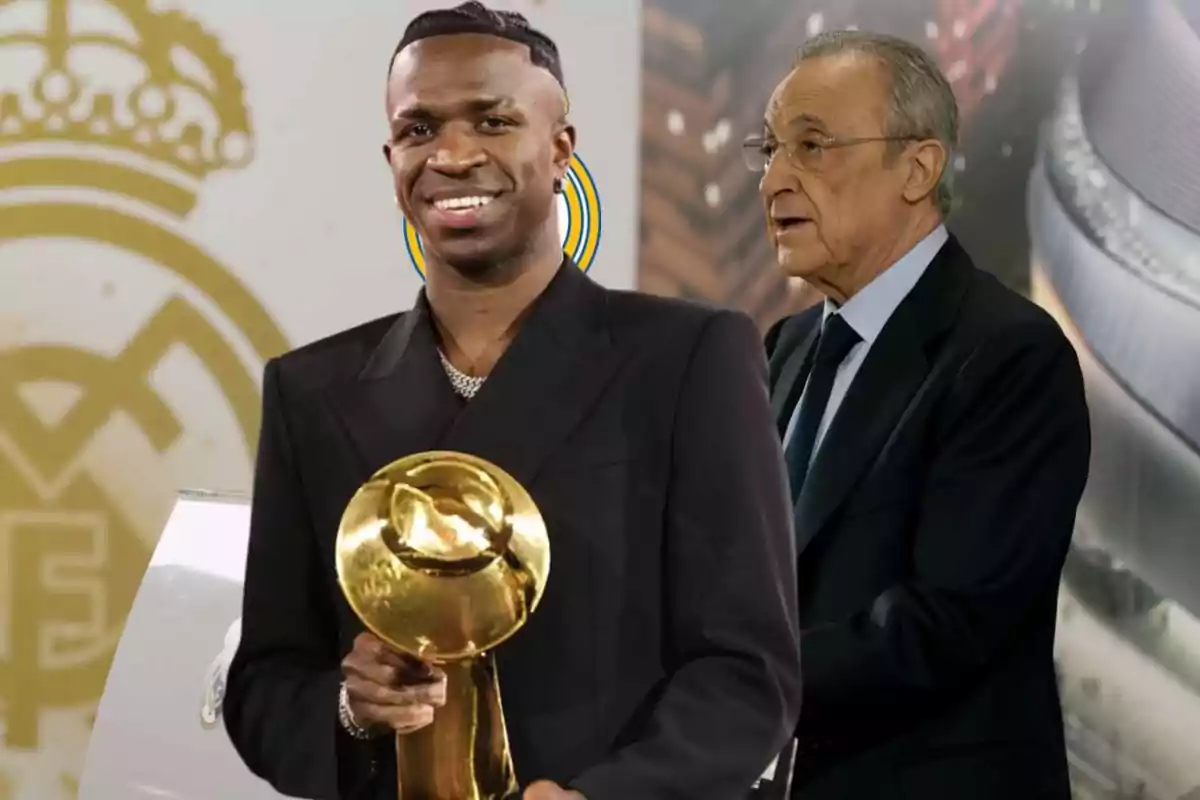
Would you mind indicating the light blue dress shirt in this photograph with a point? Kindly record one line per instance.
(867, 312)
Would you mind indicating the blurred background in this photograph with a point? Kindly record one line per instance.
(150, 261)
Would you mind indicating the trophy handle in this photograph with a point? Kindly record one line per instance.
(463, 754)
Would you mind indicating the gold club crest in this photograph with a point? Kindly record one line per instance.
(129, 355)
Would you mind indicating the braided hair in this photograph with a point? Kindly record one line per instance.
(475, 17)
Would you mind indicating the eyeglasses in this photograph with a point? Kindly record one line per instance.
(807, 153)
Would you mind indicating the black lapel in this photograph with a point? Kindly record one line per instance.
(786, 363)
(895, 368)
(402, 402)
(546, 381)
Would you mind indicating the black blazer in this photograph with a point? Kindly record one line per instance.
(663, 661)
(931, 534)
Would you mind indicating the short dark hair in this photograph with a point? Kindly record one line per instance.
(475, 17)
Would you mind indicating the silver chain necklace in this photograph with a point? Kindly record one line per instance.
(465, 386)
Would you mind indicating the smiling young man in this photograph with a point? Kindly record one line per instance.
(663, 661)
(937, 440)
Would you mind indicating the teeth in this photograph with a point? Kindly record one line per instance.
(459, 203)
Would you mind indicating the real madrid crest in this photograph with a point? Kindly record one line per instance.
(129, 353)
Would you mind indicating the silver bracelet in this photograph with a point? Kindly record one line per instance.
(346, 716)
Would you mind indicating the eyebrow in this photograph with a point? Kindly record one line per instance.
(807, 120)
(474, 107)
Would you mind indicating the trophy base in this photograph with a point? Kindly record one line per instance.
(463, 754)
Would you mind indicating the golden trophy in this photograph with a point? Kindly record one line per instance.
(444, 556)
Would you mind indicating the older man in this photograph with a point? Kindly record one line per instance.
(937, 442)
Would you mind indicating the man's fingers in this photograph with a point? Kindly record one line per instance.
(374, 660)
(401, 719)
(370, 649)
(430, 693)
(414, 668)
(395, 670)
(400, 661)
(543, 790)
(371, 670)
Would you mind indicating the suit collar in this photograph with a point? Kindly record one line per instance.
(414, 327)
(786, 362)
(869, 310)
(402, 401)
(867, 313)
(562, 356)
(561, 359)
(876, 403)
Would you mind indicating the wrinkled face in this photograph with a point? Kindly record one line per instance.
(832, 192)
(477, 139)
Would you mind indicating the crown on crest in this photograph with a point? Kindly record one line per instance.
(179, 103)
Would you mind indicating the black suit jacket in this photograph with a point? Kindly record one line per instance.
(931, 535)
(663, 660)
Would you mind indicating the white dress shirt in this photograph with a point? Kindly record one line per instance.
(867, 312)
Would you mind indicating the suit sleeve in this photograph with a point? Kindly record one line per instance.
(994, 525)
(731, 702)
(280, 706)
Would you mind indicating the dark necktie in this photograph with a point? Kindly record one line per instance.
(834, 343)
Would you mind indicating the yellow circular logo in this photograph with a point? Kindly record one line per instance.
(579, 220)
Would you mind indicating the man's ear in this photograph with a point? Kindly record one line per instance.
(564, 148)
(926, 163)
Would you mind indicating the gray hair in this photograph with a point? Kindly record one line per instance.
(922, 102)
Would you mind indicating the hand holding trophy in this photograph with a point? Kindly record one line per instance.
(386, 690)
(443, 556)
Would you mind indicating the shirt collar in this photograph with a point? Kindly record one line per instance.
(870, 309)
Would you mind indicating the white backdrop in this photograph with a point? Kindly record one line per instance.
(141, 291)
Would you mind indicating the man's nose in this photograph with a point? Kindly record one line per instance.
(457, 152)
(777, 177)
